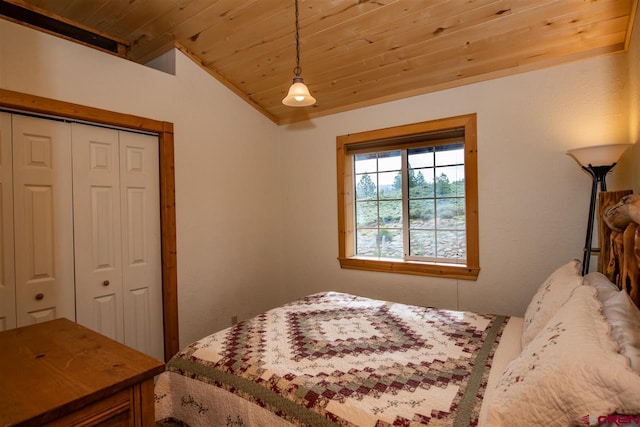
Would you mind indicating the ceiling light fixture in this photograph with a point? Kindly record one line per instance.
(298, 95)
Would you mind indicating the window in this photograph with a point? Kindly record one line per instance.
(408, 199)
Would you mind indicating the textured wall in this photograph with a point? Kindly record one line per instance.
(226, 166)
(256, 204)
(634, 100)
(533, 198)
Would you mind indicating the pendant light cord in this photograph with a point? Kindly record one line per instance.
(297, 71)
(298, 95)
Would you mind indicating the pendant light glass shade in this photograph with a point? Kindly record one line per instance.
(298, 95)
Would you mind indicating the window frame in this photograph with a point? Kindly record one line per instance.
(384, 139)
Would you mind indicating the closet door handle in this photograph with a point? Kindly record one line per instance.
(105, 283)
(39, 297)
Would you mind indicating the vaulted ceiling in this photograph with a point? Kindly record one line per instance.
(355, 53)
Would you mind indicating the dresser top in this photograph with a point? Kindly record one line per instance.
(59, 366)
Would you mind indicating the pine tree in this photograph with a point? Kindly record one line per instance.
(443, 186)
(366, 188)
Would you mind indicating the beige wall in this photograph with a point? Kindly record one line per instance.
(256, 204)
(533, 198)
(634, 100)
(226, 166)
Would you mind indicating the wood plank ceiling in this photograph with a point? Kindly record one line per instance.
(356, 53)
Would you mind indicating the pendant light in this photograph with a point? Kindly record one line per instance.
(298, 95)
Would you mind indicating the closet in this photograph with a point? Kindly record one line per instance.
(80, 229)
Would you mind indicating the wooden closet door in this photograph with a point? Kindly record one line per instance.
(141, 258)
(7, 273)
(98, 243)
(43, 219)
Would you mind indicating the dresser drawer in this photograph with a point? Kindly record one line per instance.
(115, 410)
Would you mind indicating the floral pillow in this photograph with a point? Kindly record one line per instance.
(549, 298)
(570, 372)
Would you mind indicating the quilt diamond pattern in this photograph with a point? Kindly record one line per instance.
(353, 361)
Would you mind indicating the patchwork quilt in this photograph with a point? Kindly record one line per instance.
(335, 359)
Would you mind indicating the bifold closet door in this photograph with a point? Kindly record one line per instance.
(7, 274)
(97, 241)
(117, 236)
(141, 256)
(43, 219)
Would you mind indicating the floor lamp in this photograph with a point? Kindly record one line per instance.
(597, 161)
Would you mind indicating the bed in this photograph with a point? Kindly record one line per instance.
(338, 359)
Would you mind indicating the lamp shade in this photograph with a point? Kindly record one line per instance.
(298, 95)
(598, 155)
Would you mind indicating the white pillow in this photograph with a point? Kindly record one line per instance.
(549, 298)
(570, 371)
(624, 318)
(603, 285)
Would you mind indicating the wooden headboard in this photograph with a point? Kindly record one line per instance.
(620, 241)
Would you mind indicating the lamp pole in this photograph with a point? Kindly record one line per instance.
(598, 174)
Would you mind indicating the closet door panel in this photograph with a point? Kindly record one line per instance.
(39, 232)
(142, 273)
(39, 316)
(96, 204)
(105, 315)
(103, 236)
(7, 274)
(43, 221)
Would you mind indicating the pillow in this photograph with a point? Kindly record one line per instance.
(624, 318)
(569, 372)
(603, 285)
(549, 298)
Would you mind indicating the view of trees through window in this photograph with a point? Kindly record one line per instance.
(411, 203)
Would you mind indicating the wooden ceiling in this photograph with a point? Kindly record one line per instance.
(356, 53)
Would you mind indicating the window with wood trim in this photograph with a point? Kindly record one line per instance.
(408, 199)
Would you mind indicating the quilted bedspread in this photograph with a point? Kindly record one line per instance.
(339, 359)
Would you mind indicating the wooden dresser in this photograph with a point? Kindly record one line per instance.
(59, 373)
